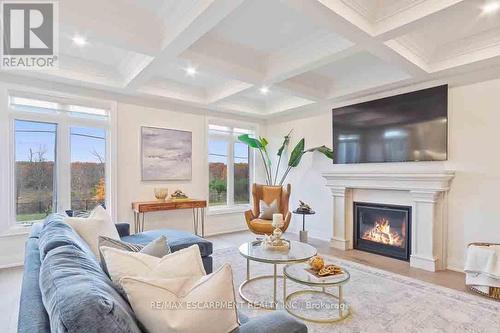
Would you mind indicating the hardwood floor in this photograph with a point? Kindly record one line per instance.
(10, 290)
(10, 279)
(449, 279)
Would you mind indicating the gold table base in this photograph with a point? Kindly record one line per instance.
(344, 310)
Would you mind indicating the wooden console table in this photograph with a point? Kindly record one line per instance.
(198, 206)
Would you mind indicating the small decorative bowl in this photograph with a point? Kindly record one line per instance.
(161, 193)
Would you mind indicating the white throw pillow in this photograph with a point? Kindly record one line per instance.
(183, 263)
(267, 211)
(99, 223)
(194, 305)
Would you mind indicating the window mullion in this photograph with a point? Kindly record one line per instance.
(230, 172)
(63, 167)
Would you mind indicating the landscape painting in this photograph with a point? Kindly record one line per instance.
(166, 154)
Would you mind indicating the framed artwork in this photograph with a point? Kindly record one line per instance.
(166, 154)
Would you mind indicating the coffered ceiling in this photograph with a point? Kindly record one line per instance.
(268, 57)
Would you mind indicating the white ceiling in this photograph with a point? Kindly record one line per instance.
(309, 53)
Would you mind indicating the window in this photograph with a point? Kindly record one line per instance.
(229, 164)
(88, 160)
(35, 157)
(60, 153)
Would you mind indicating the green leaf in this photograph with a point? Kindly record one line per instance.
(296, 154)
(323, 150)
(263, 142)
(249, 141)
(285, 143)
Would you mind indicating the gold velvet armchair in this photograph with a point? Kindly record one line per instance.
(268, 194)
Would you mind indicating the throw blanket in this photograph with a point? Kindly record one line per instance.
(483, 266)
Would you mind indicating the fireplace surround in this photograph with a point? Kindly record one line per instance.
(383, 229)
(424, 190)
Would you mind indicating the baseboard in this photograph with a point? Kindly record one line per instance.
(14, 265)
(229, 231)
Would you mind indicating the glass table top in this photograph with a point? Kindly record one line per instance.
(298, 272)
(297, 252)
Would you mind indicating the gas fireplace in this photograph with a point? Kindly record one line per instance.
(383, 229)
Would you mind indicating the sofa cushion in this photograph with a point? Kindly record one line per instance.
(56, 233)
(79, 297)
(176, 239)
(32, 315)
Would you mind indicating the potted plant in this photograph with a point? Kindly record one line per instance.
(294, 160)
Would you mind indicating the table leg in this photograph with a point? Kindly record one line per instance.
(143, 221)
(203, 222)
(135, 222)
(275, 286)
(248, 269)
(284, 291)
(341, 301)
(195, 221)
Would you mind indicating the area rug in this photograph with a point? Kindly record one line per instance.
(380, 301)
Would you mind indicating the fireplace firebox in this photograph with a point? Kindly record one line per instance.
(383, 229)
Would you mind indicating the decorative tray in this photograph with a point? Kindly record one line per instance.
(330, 270)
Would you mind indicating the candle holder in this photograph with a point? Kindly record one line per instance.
(275, 241)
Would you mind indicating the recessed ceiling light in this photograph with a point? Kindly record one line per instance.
(191, 71)
(264, 90)
(79, 40)
(491, 7)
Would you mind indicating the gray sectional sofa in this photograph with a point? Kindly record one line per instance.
(64, 288)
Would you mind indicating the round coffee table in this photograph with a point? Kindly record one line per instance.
(298, 273)
(252, 251)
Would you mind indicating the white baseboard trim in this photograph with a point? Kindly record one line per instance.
(223, 232)
(14, 265)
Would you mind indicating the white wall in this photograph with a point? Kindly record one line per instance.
(474, 135)
(131, 188)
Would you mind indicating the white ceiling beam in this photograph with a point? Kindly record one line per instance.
(410, 19)
(331, 14)
(181, 35)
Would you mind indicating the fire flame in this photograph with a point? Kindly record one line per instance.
(381, 233)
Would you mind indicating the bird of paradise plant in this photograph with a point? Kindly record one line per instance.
(294, 160)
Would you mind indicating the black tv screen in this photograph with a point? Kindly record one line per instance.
(407, 127)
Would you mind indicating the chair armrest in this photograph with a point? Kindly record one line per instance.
(276, 322)
(123, 229)
(249, 216)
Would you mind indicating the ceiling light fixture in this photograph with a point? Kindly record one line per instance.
(264, 90)
(191, 71)
(79, 40)
(491, 7)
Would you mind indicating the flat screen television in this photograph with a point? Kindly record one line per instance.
(402, 128)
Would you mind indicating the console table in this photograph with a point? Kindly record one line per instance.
(198, 206)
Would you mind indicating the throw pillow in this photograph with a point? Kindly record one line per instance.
(267, 211)
(195, 305)
(157, 248)
(182, 263)
(99, 223)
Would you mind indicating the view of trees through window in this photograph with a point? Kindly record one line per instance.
(228, 169)
(35, 168)
(88, 161)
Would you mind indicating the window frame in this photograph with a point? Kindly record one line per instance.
(64, 121)
(231, 139)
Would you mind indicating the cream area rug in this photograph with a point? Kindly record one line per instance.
(380, 301)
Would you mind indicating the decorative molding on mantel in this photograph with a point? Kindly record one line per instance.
(407, 181)
(427, 196)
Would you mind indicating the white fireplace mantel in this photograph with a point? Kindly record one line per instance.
(425, 191)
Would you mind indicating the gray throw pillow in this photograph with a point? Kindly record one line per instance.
(157, 248)
(267, 211)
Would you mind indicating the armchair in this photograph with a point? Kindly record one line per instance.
(268, 194)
